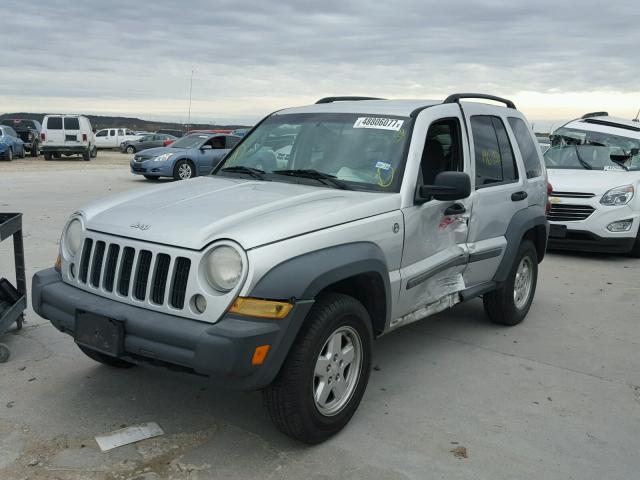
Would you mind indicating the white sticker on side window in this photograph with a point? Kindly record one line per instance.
(611, 167)
(379, 123)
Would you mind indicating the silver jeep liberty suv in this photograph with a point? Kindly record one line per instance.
(327, 226)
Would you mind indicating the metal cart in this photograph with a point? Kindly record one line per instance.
(13, 300)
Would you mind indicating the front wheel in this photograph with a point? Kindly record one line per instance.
(34, 150)
(509, 304)
(183, 170)
(130, 149)
(325, 373)
(635, 250)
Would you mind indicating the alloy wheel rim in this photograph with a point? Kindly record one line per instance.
(184, 171)
(337, 371)
(523, 283)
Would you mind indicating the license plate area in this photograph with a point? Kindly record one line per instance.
(558, 231)
(71, 138)
(100, 333)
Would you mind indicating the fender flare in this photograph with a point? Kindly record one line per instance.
(522, 221)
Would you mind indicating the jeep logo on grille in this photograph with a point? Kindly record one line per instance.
(140, 226)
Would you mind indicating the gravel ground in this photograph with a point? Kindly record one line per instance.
(452, 396)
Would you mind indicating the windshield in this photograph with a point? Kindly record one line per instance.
(19, 124)
(190, 141)
(573, 148)
(364, 152)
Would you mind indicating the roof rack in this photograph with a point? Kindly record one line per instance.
(345, 99)
(456, 97)
(595, 114)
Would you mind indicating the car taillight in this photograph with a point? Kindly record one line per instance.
(42, 137)
(549, 191)
(84, 137)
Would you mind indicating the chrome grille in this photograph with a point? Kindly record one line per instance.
(573, 194)
(137, 274)
(561, 212)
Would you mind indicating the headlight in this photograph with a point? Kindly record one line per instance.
(223, 268)
(618, 196)
(163, 157)
(72, 238)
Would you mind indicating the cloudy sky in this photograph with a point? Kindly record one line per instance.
(555, 59)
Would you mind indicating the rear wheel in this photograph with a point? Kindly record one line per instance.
(47, 156)
(130, 149)
(86, 155)
(509, 304)
(183, 170)
(34, 149)
(325, 373)
(57, 155)
(94, 152)
(105, 359)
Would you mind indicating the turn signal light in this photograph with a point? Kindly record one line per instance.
(255, 307)
(259, 354)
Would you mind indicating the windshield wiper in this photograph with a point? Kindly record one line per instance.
(325, 178)
(614, 159)
(253, 172)
(582, 161)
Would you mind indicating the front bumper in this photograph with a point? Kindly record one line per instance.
(585, 241)
(221, 351)
(151, 168)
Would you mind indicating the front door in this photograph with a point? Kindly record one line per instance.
(435, 252)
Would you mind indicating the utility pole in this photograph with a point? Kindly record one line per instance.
(637, 115)
(190, 91)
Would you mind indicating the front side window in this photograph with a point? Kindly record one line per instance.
(494, 160)
(102, 133)
(442, 150)
(365, 152)
(54, 123)
(577, 149)
(190, 141)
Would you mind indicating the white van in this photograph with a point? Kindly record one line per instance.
(67, 135)
(114, 137)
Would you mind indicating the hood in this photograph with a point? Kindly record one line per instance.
(589, 181)
(193, 213)
(154, 152)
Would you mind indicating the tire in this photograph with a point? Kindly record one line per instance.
(47, 156)
(505, 305)
(57, 155)
(635, 250)
(94, 152)
(130, 149)
(10, 154)
(5, 353)
(183, 170)
(86, 156)
(291, 401)
(23, 154)
(105, 359)
(34, 150)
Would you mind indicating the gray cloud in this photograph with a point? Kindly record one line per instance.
(265, 52)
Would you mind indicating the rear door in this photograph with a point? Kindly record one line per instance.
(72, 135)
(500, 189)
(54, 134)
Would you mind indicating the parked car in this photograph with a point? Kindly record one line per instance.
(114, 137)
(544, 141)
(67, 135)
(146, 141)
(168, 142)
(279, 279)
(10, 145)
(240, 132)
(28, 131)
(188, 157)
(594, 167)
(175, 133)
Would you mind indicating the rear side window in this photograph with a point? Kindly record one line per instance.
(527, 148)
(71, 123)
(495, 163)
(54, 123)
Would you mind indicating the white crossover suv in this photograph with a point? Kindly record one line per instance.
(594, 167)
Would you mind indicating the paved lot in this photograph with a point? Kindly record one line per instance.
(557, 397)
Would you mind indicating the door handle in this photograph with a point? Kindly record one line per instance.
(455, 209)
(517, 196)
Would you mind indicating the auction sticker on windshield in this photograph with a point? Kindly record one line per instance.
(379, 122)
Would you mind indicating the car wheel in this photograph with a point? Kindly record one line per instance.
(23, 152)
(34, 150)
(130, 149)
(105, 359)
(47, 156)
(86, 155)
(509, 304)
(57, 155)
(10, 154)
(635, 250)
(94, 152)
(183, 170)
(325, 374)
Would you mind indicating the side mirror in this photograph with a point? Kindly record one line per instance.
(446, 186)
(206, 147)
